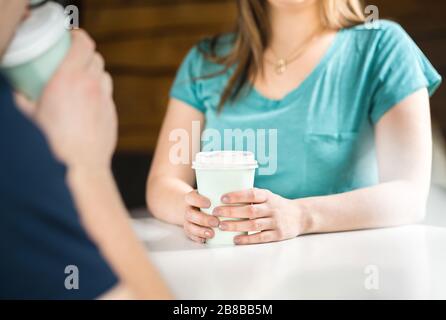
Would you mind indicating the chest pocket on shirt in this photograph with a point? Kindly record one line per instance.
(329, 162)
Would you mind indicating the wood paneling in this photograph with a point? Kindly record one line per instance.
(144, 41)
(152, 16)
(142, 102)
(149, 52)
(425, 21)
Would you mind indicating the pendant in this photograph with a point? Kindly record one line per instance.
(281, 66)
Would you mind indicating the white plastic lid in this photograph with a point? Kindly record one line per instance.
(39, 32)
(224, 160)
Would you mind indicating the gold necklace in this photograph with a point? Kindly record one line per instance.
(281, 64)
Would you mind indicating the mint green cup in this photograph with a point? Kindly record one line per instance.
(221, 172)
(37, 50)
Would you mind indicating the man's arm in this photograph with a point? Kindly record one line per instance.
(106, 220)
(77, 114)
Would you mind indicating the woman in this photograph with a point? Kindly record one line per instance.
(349, 101)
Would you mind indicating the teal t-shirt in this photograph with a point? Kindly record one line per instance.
(318, 139)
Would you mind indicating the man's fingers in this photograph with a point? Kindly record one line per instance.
(81, 52)
(28, 107)
(202, 219)
(108, 84)
(96, 65)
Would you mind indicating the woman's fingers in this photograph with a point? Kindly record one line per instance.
(196, 239)
(202, 219)
(198, 225)
(248, 225)
(260, 237)
(251, 211)
(246, 196)
(194, 199)
(193, 231)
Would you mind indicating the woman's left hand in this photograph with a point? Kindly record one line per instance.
(273, 218)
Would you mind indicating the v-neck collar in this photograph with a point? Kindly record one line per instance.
(313, 74)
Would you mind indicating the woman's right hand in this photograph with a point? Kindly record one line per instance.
(198, 225)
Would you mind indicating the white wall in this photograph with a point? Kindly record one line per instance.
(436, 208)
(439, 160)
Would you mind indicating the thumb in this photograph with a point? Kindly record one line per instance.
(26, 106)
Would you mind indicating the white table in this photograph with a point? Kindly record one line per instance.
(410, 263)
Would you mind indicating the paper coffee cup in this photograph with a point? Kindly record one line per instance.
(221, 172)
(37, 49)
(36, 2)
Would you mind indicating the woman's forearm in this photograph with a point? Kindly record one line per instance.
(106, 221)
(387, 204)
(165, 198)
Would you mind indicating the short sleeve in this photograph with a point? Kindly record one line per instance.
(185, 86)
(400, 70)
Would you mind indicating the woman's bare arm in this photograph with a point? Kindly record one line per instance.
(169, 182)
(403, 139)
(404, 150)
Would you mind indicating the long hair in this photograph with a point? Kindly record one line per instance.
(253, 34)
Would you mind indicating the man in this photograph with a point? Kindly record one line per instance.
(60, 212)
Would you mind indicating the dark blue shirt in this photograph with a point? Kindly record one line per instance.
(40, 231)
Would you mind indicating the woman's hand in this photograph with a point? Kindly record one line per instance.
(198, 225)
(273, 217)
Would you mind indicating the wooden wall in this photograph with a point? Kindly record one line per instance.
(144, 41)
(425, 21)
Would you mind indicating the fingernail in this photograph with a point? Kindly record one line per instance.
(206, 204)
(225, 199)
(214, 223)
(216, 212)
(208, 234)
(223, 226)
(237, 240)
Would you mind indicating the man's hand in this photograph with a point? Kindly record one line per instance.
(76, 110)
(77, 114)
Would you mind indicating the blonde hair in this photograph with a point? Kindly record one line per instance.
(253, 34)
(338, 14)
